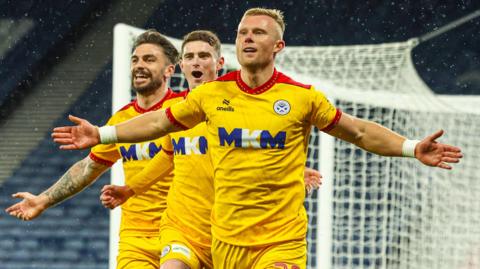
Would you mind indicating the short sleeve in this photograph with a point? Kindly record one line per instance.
(167, 145)
(189, 112)
(324, 115)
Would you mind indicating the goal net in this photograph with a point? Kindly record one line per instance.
(371, 211)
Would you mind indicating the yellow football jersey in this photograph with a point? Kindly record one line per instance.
(191, 194)
(142, 213)
(190, 198)
(258, 141)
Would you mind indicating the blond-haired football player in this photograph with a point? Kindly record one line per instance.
(258, 122)
(185, 227)
(152, 63)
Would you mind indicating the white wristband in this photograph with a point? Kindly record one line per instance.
(408, 148)
(108, 134)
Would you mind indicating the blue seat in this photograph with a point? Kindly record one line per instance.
(71, 235)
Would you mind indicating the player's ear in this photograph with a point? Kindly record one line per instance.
(279, 45)
(169, 71)
(180, 63)
(220, 63)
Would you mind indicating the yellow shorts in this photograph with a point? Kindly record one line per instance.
(138, 253)
(285, 255)
(176, 247)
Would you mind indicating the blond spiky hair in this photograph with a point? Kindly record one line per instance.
(275, 14)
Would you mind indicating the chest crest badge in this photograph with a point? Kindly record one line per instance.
(281, 107)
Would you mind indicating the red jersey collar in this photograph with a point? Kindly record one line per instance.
(260, 89)
(156, 106)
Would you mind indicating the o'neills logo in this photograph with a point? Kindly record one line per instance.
(227, 107)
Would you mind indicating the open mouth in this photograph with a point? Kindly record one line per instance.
(139, 77)
(197, 74)
(249, 50)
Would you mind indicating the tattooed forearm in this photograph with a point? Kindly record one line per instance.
(77, 178)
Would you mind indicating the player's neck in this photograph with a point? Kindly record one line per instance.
(146, 100)
(192, 85)
(255, 77)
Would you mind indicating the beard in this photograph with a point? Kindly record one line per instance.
(154, 84)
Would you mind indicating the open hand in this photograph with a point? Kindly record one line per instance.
(432, 153)
(29, 208)
(81, 136)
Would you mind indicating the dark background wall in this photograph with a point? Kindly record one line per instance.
(449, 64)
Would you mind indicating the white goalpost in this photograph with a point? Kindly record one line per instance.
(123, 38)
(371, 211)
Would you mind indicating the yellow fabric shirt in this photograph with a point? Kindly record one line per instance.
(142, 213)
(258, 141)
(190, 199)
(191, 194)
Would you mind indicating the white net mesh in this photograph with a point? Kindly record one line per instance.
(393, 212)
(388, 212)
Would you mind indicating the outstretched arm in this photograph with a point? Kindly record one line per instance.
(145, 127)
(380, 140)
(78, 177)
(157, 169)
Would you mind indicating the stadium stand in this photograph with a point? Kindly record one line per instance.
(52, 27)
(74, 234)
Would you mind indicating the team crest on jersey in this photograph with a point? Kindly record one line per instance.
(281, 107)
(165, 251)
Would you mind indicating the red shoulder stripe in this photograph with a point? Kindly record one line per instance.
(180, 94)
(334, 122)
(231, 76)
(287, 80)
(168, 152)
(156, 106)
(99, 160)
(127, 106)
(172, 119)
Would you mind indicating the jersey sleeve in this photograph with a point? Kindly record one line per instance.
(189, 112)
(105, 154)
(158, 168)
(167, 144)
(324, 115)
